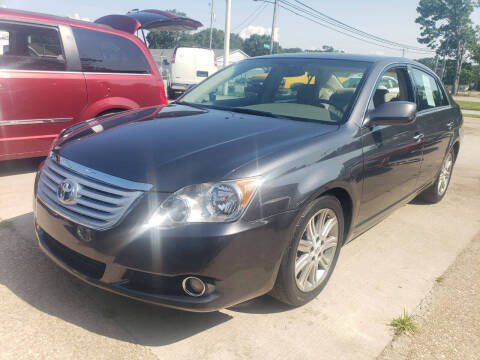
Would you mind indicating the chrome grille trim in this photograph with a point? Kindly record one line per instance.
(102, 199)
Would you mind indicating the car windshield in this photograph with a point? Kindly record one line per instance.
(305, 89)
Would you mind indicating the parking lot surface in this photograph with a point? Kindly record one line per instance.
(47, 313)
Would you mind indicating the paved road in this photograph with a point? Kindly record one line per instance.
(474, 112)
(467, 98)
(47, 313)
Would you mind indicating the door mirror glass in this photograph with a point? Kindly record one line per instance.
(392, 113)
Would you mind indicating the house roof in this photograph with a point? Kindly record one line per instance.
(220, 52)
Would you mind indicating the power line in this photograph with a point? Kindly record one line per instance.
(358, 31)
(359, 35)
(255, 15)
(339, 31)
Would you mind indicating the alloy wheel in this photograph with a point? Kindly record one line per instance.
(445, 173)
(316, 250)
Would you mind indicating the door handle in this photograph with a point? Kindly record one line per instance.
(451, 124)
(418, 137)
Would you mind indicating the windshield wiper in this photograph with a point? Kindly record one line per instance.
(197, 106)
(253, 112)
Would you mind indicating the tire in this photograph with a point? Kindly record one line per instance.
(437, 191)
(289, 287)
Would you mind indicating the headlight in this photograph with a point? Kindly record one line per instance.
(209, 202)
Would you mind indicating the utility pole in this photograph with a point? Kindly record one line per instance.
(226, 45)
(403, 52)
(274, 24)
(435, 64)
(211, 22)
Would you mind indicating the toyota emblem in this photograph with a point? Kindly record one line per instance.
(67, 192)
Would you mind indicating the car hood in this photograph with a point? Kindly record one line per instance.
(176, 145)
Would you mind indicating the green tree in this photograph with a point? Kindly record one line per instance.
(325, 48)
(257, 45)
(202, 39)
(446, 27)
(165, 39)
(289, 50)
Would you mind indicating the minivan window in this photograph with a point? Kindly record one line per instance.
(309, 89)
(30, 47)
(429, 94)
(103, 52)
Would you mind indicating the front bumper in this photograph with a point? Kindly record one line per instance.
(238, 261)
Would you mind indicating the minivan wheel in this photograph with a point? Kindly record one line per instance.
(437, 191)
(312, 254)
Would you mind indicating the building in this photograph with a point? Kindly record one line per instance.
(236, 55)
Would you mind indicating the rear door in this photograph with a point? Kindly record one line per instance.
(436, 120)
(40, 92)
(117, 72)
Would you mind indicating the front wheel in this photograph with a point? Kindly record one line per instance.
(311, 257)
(437, 191)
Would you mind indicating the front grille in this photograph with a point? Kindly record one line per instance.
(84, 265)
(101, 199)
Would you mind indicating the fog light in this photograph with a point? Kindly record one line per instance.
(193, 286)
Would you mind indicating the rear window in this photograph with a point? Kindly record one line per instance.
(429, 93)
(103, 52)
(30, 47)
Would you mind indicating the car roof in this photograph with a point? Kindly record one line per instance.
(376, 59)
(34, 16)
(342, 56)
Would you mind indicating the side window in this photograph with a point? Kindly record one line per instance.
(103, 52)
(394, 85)
(30, 47)
(429, 94)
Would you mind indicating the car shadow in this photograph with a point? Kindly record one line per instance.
(18, 167)
(31, 276)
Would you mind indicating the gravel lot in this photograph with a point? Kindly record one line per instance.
(47, 313)
(449, 321)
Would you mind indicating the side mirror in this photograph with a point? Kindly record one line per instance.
(392, 113)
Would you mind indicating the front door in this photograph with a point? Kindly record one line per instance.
(41, 96)
(392, 153)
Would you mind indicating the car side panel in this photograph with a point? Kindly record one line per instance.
(122, 90)
(334, 161)
(437, 127)
(55, 99)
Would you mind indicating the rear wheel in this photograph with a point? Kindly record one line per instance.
(437, 191)
(312, 255)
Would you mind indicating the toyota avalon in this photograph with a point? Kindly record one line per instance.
(250, 183)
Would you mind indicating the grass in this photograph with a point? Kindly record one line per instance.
(5, 224)
(404, 324)
(469, 105)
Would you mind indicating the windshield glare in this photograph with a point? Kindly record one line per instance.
(310, 89)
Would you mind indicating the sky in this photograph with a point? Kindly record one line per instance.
(391, 19)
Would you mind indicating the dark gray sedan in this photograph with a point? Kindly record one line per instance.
(250, 183)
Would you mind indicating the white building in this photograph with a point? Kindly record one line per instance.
(236, 55)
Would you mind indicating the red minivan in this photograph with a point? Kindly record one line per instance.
(55, 72)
